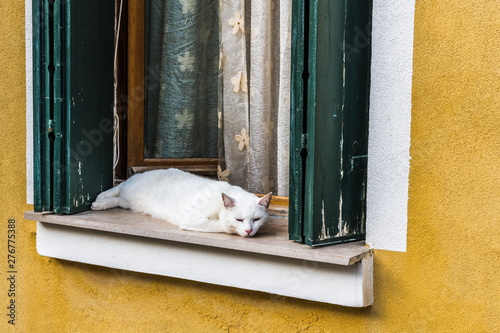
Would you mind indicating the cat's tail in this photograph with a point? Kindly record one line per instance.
(107, 199)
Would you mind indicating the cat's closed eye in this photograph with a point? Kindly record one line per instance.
(255, 220)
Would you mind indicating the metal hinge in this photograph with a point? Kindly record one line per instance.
(359, 163)
(50, 126)
(303, 141)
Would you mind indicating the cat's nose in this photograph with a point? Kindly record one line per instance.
(248, 231)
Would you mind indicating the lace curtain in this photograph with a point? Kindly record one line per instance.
(248, 102)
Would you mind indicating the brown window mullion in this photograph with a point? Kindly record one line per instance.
(136, 93)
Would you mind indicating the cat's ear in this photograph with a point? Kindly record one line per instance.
(266, 200)
(228, 202)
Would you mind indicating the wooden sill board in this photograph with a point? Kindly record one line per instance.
(272, 239)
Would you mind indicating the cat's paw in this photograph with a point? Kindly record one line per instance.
(97, 205)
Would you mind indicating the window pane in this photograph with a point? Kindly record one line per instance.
(181, 79)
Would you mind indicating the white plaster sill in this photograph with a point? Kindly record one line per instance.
(339, 274)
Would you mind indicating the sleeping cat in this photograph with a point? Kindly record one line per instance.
(189, 201)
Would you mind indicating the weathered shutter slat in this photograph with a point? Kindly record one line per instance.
(42, 105)
(58, 117)
(357, 54)
(298, 94)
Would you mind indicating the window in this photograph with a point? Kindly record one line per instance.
(73, 70)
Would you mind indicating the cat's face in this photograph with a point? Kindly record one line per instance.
(245, 217)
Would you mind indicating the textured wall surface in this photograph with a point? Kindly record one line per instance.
(447, 281)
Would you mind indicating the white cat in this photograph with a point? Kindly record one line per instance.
(189, 201)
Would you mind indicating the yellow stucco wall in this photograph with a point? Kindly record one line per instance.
(447, 281)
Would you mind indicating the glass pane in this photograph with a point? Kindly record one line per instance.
(181, 69)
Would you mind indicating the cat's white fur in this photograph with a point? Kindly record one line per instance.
(189, 201)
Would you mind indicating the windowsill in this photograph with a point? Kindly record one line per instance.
(125, 237)
(272, 239)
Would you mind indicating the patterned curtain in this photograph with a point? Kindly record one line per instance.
(182, 48)
(247, 42)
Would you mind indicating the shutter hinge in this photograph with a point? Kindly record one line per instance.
(303, 141)
(50, 126)
(359, 163)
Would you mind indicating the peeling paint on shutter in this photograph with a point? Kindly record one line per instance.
(330, 89)
(73, 89)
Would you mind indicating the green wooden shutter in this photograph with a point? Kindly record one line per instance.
(73, 47)
(330, 97)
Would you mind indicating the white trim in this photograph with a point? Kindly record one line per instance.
(321, 282)
(390, 120)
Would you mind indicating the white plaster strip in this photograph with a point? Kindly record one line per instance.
(390, 120)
